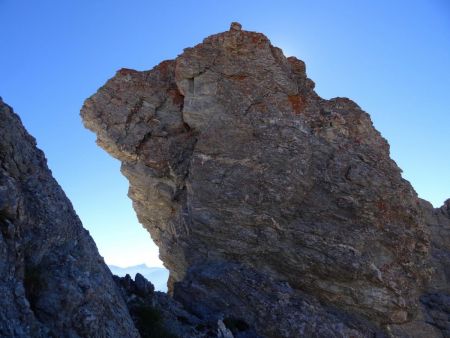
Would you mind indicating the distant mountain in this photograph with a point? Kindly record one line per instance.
(158, 276)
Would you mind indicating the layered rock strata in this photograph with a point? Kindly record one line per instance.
(53, 282)
(268, 203)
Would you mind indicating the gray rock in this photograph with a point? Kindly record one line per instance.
(246, 298)
(143, 285)
(235, 26)
(242, 173)
(157, 315)
(438, 221)
(223, 331)
(53, 282)
(437, 308)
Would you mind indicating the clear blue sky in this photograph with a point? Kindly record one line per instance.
(391, 57)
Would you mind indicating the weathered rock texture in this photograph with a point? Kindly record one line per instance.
(433, 319)
(268, 203)
(437, 298)
(53, 283)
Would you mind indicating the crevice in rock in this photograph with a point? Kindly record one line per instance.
(33, 283)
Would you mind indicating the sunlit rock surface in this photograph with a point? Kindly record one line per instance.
(269, 204)
(53, 283)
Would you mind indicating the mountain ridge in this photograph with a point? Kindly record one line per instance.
(158, 276)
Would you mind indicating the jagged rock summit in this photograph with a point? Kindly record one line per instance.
(53, 282)
(271, 206)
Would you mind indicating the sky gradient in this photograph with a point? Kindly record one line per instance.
(391, 57)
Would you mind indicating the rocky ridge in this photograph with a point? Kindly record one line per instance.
(270, 205)
(53, 282)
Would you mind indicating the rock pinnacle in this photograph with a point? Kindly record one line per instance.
(235, 26)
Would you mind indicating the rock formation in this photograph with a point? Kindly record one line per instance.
(271, 206)
(156, 314)
(53, 283)
(436, 300)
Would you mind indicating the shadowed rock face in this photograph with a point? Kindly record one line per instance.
(52, 280)
(236, 164)
(433, 319)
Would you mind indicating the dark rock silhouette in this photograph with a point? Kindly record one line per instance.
(156, 314)
(270, 205)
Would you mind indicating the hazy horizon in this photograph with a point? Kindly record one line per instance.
(157, 275)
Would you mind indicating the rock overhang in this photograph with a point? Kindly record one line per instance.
(232, 157)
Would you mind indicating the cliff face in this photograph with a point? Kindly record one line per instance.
(52, 280)
(269, 204)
